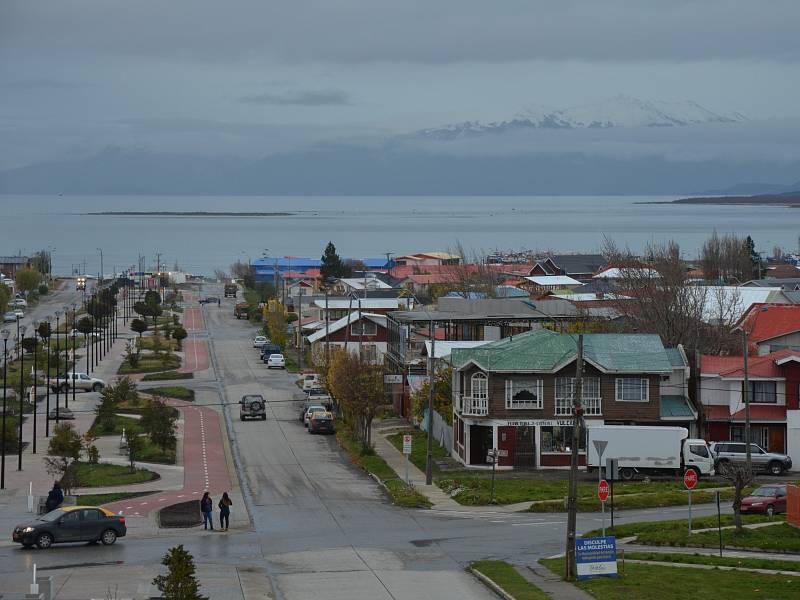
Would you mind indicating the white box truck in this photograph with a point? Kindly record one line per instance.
(649, 450)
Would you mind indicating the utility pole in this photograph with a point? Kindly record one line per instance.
(300, 324)
(429, 456)
(389, 262)
(748, 458)
(572, 505)
(327, 330)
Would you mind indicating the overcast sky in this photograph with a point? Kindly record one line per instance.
(251, 77)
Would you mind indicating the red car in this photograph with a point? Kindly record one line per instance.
(768, 499)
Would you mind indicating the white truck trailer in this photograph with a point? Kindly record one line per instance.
(649, 450)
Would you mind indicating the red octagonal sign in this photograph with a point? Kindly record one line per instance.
(602, 490)
(690, 478)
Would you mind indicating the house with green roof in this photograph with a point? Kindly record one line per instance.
(516, 394)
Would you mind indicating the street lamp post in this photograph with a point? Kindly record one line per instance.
(100, 278)
(47, 387)
(66, 356)
(21, 396)
(58, 368)
(35, 378)
(74, 356)
(4, 333)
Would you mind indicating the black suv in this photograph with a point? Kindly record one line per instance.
(71, 524)
(267, 349)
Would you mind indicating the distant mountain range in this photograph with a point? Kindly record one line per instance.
(619, 111)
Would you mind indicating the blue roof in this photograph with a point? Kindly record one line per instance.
(298, 263)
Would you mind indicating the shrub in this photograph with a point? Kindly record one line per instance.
(43, 289)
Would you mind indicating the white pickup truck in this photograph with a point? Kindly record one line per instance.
(81, 381)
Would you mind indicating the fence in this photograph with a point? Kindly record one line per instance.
(793, 505)
(442, 430)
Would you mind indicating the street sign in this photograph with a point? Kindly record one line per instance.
(407, 439)
(602, 490)
(600, 446)
(690, 479)
(612, 468)
(392, 379)
(502, 453)
(596, 556)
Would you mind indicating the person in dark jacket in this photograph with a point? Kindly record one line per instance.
(207, 508)
(225, 511)
(54, 498)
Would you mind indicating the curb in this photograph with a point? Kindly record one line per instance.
(491, 584)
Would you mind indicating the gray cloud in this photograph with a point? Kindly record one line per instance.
(300, 98)
(414, 30)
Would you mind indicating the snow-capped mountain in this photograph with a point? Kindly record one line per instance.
(620, 111)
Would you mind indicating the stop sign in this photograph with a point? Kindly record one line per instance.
(602, 490)
(690, 478)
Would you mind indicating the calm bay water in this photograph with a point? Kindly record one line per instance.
(363, 226)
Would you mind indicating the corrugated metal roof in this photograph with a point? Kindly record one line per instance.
(676, 407)
(545, 351)
(559, 280)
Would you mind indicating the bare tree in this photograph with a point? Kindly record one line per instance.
(740, 476)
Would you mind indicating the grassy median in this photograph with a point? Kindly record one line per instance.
(167, 376)
(402, 494)
(106, 475)
(172, 391)
(657, 582)
(505, 576)
(717, 561)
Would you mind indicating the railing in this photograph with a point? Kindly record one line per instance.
(474, 406)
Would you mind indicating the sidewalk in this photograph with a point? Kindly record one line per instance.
(552, 584)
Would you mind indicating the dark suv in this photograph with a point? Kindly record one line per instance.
(252, 406)
(71, 524)
(267, 349)
(726, 453)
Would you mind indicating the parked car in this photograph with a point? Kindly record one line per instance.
(252, 406)
(10, 317)
(277, 361)
(768, 499)
(319, 395)
(259, 341)
(310, 380)
(209, 300)
(19, 312)
(308, 404)
(321, 421)
(726, 453)
(18, 303)
(81, 381)
(312, 408)
(268, 350)
(71, 524)
(61, 413)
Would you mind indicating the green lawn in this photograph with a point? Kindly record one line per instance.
(148, 343)
(713, 559)
(100, 499)
(655, 582)
(505, 576)
(120, 422)
(780, 536)
(172, 391)
(150, 363)
(401, 493)
(167, 376)
(674, 530)
(105, 475)
(153, 454)
(419, 448)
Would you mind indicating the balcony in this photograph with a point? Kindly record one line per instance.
(474, 406)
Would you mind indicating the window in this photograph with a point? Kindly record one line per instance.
(369, 327)
(524, 393)
(758, 435)
(91, 514)
(369, 353)
(480, 386)
(559, 439)
(765, 392)
(565, 393)
(72, 517)
(698, 450)
(632, 389)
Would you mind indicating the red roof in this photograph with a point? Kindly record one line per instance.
(758, 412)
(433, 278)
(733, 366)
(767, 321)
(441, 334)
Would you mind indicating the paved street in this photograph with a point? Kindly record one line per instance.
(318, 527)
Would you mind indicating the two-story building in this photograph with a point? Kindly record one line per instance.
(516, 394)
(357, 332)
(773, 382)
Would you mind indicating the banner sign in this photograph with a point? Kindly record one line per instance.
(596, 557)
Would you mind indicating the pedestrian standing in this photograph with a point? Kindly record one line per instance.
(218, 303)
(225, 504)
(207, 508)
(54, 498)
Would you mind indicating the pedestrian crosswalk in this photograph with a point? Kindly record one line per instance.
(516, 519)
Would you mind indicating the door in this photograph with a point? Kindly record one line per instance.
(506, 437)
(777, 439)
(92, 524)
(525, 455)
(69, 527)
(480, 441)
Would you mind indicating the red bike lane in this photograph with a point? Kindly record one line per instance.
(195, 356)
(205, 467)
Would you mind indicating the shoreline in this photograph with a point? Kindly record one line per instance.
(192, 213)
